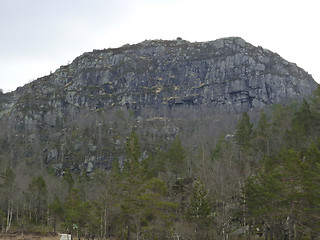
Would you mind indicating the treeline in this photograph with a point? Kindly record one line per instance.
(260, 182)
(141, 198)
(281, 197)
(277, 161)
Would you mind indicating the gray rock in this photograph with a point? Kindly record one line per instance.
(90, 167)
(152, 80)
(52, 155)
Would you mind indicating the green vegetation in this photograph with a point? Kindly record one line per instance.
(283, 197)
(262, 182)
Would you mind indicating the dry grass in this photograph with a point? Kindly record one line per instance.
(28, 236)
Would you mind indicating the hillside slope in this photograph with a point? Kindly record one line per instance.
(81, 114)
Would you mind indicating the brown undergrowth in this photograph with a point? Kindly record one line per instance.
(29, 236)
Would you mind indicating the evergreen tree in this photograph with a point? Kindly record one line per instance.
(302, 126)
(68, 178)
(261, 137)
(315, 109)
(280, 124)
(76, 212)
(133, 149)
(244, 132)
(310, 193)
(262, 128)
(219, 150)
(243, 138)
(131, 179)
(199, 207)
(199, 212)
(283, 198)
(157, 217)
(177, 158)
(142, 198)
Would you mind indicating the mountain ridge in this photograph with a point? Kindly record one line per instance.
(160, 80)
(114, 67)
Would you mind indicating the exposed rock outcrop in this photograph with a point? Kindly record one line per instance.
(227, 75)
(227, 72)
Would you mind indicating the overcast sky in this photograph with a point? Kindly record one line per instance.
(38, 36)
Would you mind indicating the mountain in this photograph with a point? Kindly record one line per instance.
(80, 115)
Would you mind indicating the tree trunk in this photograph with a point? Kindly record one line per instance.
(17, 214)
(54, 225)
(105, 221)
(101, 225)
(9, 216)
(128, 236)
(2, 228)
(30, 210)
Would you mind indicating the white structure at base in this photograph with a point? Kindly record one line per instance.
(65, 237)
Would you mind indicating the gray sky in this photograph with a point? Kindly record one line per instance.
(38, 36)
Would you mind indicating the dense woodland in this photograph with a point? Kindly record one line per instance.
(262, 182)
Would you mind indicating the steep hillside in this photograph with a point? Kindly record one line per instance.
(80, 115)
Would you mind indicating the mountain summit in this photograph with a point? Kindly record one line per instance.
(154, 78)
(228, 73)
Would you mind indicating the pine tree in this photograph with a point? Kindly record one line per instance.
(261, 137)
(244, 132)
(157, 217)
(131, 180)
(283, 197)
(142, 198)
(302, 126)
(262, 128)
(243, 137)
(310, 201)
(133, 149)
(199, 206)
(199, 212)
(177, 158)
(76, 212)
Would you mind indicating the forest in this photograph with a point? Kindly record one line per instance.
(260, 182)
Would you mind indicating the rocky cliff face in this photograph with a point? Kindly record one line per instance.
(228, 73)
(160, 77)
